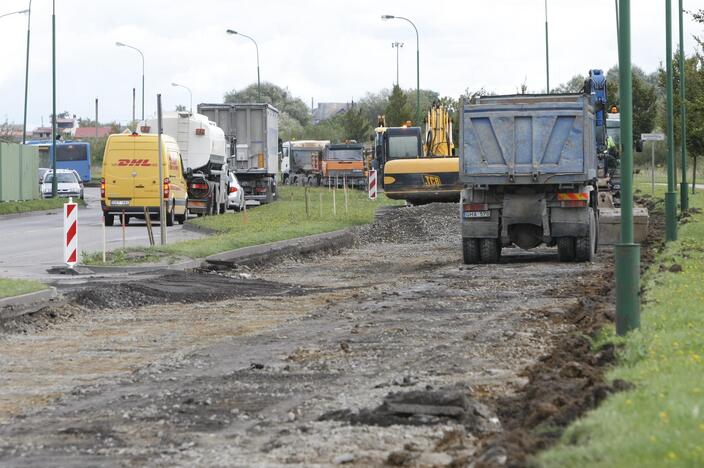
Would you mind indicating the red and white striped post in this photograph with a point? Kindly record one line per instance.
(372, 184)
(70, 233)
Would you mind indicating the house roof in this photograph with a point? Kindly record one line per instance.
(88, 132)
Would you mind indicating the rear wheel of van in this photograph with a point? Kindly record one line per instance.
(170, 216)
(109, 219)
(182, 217)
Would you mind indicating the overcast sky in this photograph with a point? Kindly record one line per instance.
(334, 50)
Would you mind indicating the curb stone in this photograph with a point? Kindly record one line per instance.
(8, 304)
(258, 254)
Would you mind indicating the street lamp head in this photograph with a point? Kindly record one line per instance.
(119, 44)
(22, 12)
(174, 84)
(387, 17)
(230, 31)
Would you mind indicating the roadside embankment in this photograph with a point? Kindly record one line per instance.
(660, 422)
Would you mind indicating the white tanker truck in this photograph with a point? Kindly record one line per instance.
(203, 153)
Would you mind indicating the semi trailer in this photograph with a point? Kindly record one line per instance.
(252, 143)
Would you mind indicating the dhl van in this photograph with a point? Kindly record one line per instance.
(130, 181)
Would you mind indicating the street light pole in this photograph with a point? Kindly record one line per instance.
(26, 76)
(388, 17)
(547, 53)
(684, 190)
(189, 93)
(397, 45)
(120, 44)
(670, 195)
(54, 183)
(256, 46)
(627, 252)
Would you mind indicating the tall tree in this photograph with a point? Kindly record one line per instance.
(275, 95)
(397, 112)
(356, 126)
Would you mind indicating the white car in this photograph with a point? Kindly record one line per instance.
(235, 194)
(68, 184)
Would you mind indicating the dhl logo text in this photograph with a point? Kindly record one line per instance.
(132, 162)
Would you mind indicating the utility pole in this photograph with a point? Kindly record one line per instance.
(134, 104)
(162, 204)
(684, 190)
(627, 253)
(397, 46)
(547, 53)
(26, 75)
(54, 182)
(670, 195)
(96, 119)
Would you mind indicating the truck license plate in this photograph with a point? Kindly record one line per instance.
(119, 202)
(477, 214)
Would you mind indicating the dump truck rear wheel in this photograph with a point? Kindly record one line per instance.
(490, 250)
(470, 251)
(109, 220)
(566, 249)
(586, 246)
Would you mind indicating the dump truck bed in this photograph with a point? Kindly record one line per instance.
(528, 139)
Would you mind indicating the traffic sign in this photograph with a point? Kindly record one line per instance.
(652, 136)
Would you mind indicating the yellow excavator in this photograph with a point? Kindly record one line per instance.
(416, 172)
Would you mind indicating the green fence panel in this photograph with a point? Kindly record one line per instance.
(18, 172)
(29, 162)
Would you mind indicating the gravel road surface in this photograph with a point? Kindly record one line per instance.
(388, 353)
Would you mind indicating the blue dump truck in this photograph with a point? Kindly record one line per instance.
(529, 168)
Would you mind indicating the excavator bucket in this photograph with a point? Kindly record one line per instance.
(610, 221)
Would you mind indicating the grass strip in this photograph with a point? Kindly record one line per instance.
(661, 421)
(17, 287)
(286, 218)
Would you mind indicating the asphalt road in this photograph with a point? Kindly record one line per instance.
(31, 243)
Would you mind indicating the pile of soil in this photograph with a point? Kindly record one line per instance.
(180, 287)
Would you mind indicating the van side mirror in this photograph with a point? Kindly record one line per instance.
(189, 172)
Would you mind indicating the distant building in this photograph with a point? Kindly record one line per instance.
(65, 126)
(326, 110)
(89, 132)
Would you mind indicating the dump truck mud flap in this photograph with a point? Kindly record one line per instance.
(569, 222)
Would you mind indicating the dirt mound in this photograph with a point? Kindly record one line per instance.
(413, 224)
(424, 407)
(183, 287)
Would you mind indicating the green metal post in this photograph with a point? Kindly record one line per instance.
(627, 253)
(54, 183)
(684, 190)
(670, 195)
(547, 54)
(26, 75)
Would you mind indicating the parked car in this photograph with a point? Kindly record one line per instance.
(42, 172)
(68, 184)
(235, 195)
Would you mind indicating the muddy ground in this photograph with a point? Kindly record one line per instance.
(388, 353)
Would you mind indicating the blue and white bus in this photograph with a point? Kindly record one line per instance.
(71, 155)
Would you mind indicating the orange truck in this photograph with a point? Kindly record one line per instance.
(343, 163)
